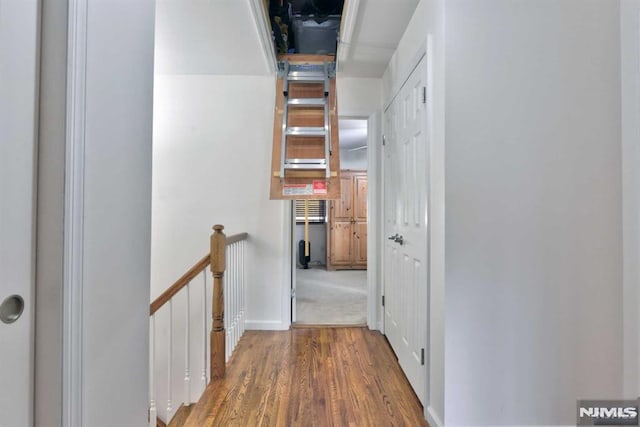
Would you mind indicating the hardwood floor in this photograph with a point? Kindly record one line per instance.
(310, 377)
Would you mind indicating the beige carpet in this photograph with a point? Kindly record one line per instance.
(331, 297)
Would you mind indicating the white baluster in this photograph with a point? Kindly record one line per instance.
(169, 359)
(203, 376)
(227, 305)
(242, 290)
(239, 286)
(153, 411)
(237, 292)
(231, 311)
(187, 374)
(234, 302)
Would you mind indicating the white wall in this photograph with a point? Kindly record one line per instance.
(208, 37)
(117, 212)
(426, 30)
(404, 58)
(212, 160)
(353, 160)
(630, 55)
(533, 208)
(358, 97)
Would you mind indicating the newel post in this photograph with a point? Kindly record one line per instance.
(218, 249)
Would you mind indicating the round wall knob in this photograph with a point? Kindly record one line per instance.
(11, 309)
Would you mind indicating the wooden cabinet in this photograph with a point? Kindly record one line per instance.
(347, 228)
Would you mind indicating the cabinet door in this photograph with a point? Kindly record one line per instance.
(360, 198)
(360, 243)
(342, 210)
(340, 243)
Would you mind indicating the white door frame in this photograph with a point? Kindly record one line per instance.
(72, 335)
(373, 295)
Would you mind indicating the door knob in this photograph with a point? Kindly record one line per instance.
(397, 238)
(11, 309)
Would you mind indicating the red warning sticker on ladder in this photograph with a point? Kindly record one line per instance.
(319, 187)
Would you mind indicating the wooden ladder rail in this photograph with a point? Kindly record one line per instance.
(216, 258)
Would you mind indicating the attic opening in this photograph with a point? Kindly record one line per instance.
(305, 26)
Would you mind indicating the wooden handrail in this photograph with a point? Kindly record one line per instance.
(179, 284)
(197, 268)
(237, 238)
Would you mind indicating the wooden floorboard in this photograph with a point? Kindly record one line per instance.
(310, 377)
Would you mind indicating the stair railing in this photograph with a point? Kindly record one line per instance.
(226, 254)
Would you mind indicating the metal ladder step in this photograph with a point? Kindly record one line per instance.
(305, 164)
(306, 131)
(306, 76)
(307, 102)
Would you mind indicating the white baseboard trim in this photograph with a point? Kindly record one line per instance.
(433, 419)
(266, 325)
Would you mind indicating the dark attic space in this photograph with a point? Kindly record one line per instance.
(305, 26)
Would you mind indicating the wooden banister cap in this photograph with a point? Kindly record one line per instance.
(218, 228)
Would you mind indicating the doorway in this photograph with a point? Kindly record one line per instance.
(329, 285)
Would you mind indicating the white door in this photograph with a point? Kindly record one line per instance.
(405, 223)
(18, 113)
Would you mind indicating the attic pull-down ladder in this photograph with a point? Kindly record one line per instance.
(306, 74)
(305, 144)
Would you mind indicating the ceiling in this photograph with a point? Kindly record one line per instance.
(379, 26)
(220, 37)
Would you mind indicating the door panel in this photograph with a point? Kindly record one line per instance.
(18, 106)
(360, 214)
(360, 243)
(392, 303)
(405, 277)
(342, 209)
(340, 249)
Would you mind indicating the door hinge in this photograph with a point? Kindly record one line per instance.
(424, 94)
(383, 300)
(293, 293)
(384, 140)
(422, 357)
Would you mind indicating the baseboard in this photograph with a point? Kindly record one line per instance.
(433, 419)
(265, 325)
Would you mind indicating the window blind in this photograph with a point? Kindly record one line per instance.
(317, 210)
